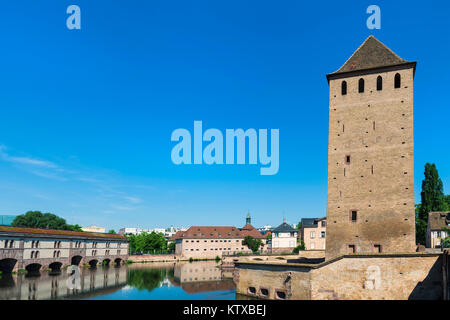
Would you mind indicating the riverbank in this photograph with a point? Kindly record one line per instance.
(162, 258)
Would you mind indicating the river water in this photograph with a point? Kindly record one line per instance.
(202, 280)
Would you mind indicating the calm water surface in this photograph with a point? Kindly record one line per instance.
(150, 281)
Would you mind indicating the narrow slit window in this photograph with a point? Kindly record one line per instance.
(361, 85)
(379, 83)
(378, 248)
(347, 159)
(353, 215)
(397, 81)
(344, 88)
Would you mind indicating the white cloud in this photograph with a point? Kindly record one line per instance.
(134, 200)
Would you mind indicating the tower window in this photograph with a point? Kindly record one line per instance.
(351, 248)
(397, 80)
(361, 85)
(353, 215)
(347, 159)
(379, 83)
(377, 248)
(344, 88)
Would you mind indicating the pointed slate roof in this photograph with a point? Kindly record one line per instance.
(284, 227)
(371, 54)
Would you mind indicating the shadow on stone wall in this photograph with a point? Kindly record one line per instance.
(306, 260)
(431, 287)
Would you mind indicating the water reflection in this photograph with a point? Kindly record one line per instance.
(52, 285)
(196, 280)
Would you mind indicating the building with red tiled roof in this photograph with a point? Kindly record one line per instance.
(202, 242)
(36, 249)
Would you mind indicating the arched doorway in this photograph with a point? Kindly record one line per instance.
(33, 267)
(7, 265)
(93, 263)
(55, 266)
(76, 260)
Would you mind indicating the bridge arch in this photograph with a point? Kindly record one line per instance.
(93, 263)
(7, 265)
(106, 262)
(55, 266)
(117, 261)
(33, 267)
(76, 260)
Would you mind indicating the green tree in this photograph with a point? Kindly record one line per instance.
(447, 201)
(269, 236)
(171, 246)
(146, 279)
(37, 219)
(433, 199)
(252, 243)
(299, 225)
(300, 247)
(446, 240)
(112, 231)
(147, 243)
(432, 192)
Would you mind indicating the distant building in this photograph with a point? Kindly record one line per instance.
(265, 229)
(6, 220)
(313, 233)
(168, 233)
(213, 241)
(436, 222)
(94, 229)
(284, 238)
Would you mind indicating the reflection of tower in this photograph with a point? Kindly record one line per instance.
(248, 220)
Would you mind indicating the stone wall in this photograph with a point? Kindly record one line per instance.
(384, 278)
(301, 256)
(354, 277)
(374, 129)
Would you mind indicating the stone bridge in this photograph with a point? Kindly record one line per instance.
(41, 249)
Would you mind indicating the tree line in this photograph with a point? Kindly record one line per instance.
(149, 243)
(432, 199)
(37, 219)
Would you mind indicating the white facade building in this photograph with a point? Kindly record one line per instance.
(94, 229)
(284, 238)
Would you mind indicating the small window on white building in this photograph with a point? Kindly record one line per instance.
(313, 234)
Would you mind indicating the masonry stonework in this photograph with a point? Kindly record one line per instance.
(376, 277)
(371, 156)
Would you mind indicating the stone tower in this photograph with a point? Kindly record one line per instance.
(370, 198)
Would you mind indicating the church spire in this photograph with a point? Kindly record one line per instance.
(248, 220)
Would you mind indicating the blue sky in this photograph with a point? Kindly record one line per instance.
(86, 115)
